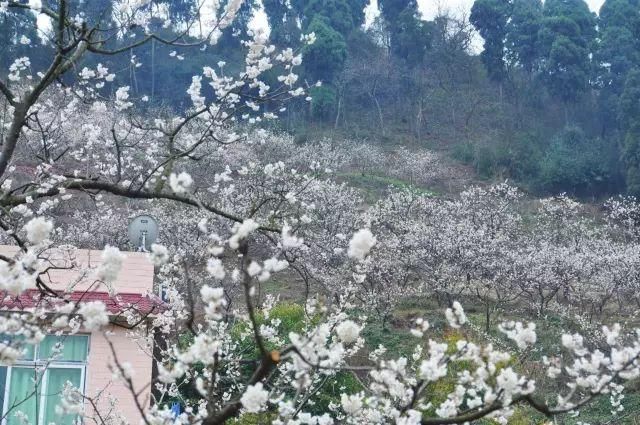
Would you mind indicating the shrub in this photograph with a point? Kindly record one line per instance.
(323, 102)
(578, 165)
(464, 152)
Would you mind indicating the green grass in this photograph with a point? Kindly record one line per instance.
(397, 341)
(599, 412)
(374, 185)
(287, 289)
(254, 419)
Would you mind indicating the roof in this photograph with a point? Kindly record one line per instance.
(117, 304)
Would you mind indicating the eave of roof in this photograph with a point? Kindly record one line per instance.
(117, 304)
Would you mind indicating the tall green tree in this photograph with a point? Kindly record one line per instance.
(566, 37)
(577, 11)
(567, 69)
(410, 37)
(617, 52)
(629, 116)
(619, 46)
(324, 58)
(391, 9)
(522, 34)
(490, 18)
(413, 37)
(283, 17)
(343, 15)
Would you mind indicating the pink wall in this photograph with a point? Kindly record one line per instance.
(100, 377)
(136, 275)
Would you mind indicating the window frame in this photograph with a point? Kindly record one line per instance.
(46, 364)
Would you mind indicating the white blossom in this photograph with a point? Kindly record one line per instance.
(122, 98)
(351, 404)
(159, 254)
(38, 230)
(254, 269)
(348, 331)
(361, 243)
(94, 314)
(523, 336)
(180, 183)
(9, 354)
(288, 240)
(110, 265)
(254, 398)
(242, 231)
(215, 268)
(455, 315)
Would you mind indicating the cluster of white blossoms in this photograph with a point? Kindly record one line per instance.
(20, 275)
(254, 398)
(94, 315)
(523, 336)
(455, 315)
(180, 183)
(18, 67)
(159, 254)
(122, 98)
(241, 232)
(214, 301)
(9, 354)
(110, 264)
(361, 243)
(348, 332)
(216, 268)
(421, 327)
(289, 240)
(99, 77)
(71, 401)
(38, 230)
(271, 265)
(194, 92)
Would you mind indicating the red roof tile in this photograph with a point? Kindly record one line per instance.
(121, 302)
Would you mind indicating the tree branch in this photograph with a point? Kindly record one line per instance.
(114, 189)
(7, 93)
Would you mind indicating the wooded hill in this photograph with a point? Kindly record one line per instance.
(552, 101)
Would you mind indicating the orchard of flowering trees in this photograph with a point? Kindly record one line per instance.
(241, 207)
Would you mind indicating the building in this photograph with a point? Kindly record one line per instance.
(86, 358)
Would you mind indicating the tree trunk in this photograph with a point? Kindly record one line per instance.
(487, 323)
(419, 121)
(153, 68)
(335, 124)
(159, 346)
(380, 117)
